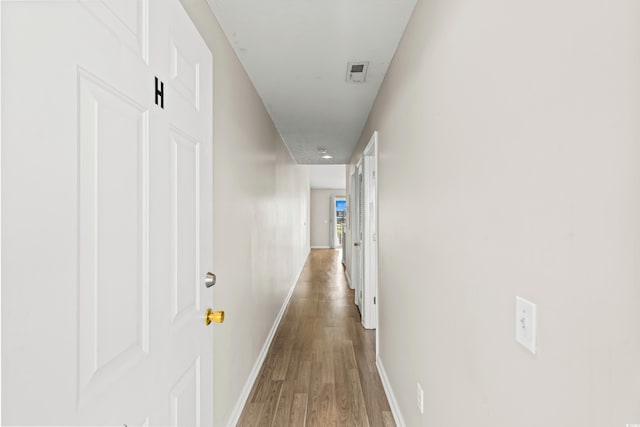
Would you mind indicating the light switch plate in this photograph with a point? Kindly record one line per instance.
(526, 324)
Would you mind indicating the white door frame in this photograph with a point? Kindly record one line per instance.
(356, 238)
(351, 220)
(333, 220)
(333, 237)
(369, 238)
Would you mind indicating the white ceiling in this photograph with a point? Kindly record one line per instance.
(328, 176)
(296, 54)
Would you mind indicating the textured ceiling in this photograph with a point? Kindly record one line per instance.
(296, 54)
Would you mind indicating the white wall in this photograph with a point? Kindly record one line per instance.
(261, 214)
(321, 215)
(327, 176)
(509, 138)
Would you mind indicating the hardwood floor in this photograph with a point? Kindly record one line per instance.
(320, 369)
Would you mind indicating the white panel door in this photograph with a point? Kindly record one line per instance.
(370, 244)
(106, 207)
(352, 220)
(360, 251)
(357, 234)
(188, 104)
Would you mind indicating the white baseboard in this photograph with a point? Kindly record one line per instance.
(346, 273)
(320, 247)
(253, 375)
(393, 403)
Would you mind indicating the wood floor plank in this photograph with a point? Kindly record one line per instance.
(283, 410)
(387, 419)
(343, 394)
(327, 410)
(358, 404)
(298, 410)
(328, 374)
(270, 404)
(314, 392)
(303, 377)
(260, 390)
(342, 405)
(320, 369)
(281, 363)
(251, 415)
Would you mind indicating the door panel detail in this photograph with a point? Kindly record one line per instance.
(113, 270)
(185, 398)
(185, 224)
(127, 20)
(185, 75)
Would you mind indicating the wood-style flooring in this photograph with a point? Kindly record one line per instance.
(320, 369)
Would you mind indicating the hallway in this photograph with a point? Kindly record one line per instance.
(320, 369)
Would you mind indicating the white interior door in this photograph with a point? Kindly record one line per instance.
(370, 236)
(106, 215)
(352, 225)
(357, 234)
(188, 104)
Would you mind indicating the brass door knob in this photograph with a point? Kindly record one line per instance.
(213, 316)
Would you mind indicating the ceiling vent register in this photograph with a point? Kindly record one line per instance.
(357, 72)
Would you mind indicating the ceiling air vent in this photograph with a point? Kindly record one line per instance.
(357, 71)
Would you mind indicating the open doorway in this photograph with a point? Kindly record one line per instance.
(338, 208)
(327, 201)
(364, 265)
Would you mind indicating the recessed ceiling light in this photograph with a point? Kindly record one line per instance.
(327, 156)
